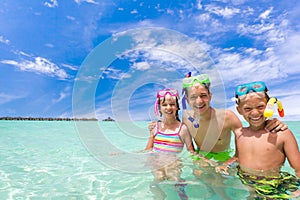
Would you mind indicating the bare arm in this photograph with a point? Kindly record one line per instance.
(291, 151)
(235, 125)
(234, 122)
(151, 127)
(187, 138)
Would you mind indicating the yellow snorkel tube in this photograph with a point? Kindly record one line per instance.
(269, 111)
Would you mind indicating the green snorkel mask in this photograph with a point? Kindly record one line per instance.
(202, 79)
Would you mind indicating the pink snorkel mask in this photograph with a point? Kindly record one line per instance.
(162, 94)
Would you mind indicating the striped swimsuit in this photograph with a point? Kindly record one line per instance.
(167, 142)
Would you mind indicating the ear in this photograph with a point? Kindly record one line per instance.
(239, 110)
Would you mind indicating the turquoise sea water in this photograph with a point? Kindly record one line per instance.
(57, 160)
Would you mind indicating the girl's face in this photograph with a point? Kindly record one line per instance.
(252, 108)
(199, 98)
(168, 106)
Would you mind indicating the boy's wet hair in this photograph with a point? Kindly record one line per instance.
(206, 85)
(265, 93)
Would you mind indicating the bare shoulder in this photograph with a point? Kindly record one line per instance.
(286, 134)
(184, 128)
(227, 113)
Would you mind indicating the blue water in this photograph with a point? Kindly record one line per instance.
(91, 160)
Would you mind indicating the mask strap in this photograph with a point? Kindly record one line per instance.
(156, 107)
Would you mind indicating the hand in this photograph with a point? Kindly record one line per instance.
(274, 125)
(296, 193)
(222, 169)
(203, 162)
(151, 126)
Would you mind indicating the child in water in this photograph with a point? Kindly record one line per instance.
(262, 153)
(166, 141)
(169, 136)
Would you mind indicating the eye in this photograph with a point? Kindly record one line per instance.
(261, 107)
(247, 109)
(203, 96)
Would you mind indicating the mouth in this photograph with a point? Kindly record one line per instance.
(199, 107)
(255, 119)
(169, 112)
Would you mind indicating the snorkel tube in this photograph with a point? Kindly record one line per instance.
(269, 109)
(183, 102)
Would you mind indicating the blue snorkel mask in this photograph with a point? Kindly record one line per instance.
(244, 89)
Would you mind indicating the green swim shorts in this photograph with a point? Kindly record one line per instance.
(218, 156)
(271, 187)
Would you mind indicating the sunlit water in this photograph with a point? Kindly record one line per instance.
(50, 160)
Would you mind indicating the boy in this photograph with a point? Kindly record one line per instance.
(260, 153)
(215, 125)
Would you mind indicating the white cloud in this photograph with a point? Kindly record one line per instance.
(223, 12)
(3, 40)
(141, 65)
(70, 67)
(249, 64)
(199, 5)
(51, 4)
(266, 14)
(4, 98)
(40, 66)
(87, 1)
(134, 11)
(113, 73)
(289, 53)
(62, 95)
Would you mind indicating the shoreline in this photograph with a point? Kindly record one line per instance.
(46, 119)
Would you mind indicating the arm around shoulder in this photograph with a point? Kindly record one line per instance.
(233, 121)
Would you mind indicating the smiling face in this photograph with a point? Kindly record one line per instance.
(252, 107)
(198, 97)
(168, 106)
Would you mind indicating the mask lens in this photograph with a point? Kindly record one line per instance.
(163, 93)
(254, 87)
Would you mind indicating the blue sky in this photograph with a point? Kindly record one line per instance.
(65, 58)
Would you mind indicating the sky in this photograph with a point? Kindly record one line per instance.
(100, 58)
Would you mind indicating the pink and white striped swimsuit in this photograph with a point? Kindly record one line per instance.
(167, 142)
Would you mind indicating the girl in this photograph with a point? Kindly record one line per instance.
(168, 137)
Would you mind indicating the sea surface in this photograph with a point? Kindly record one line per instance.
(96, 160)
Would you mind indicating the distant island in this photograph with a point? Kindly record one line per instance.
(47, 119)
(108, 119)
(53, 119)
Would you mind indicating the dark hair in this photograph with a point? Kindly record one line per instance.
(206, 85)
(237, 98)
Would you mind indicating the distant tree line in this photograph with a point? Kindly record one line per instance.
(47, 119)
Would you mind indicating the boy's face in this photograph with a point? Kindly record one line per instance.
(199, 98)
(252, 108)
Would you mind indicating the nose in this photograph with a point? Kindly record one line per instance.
(255, 112)
(199, 99)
